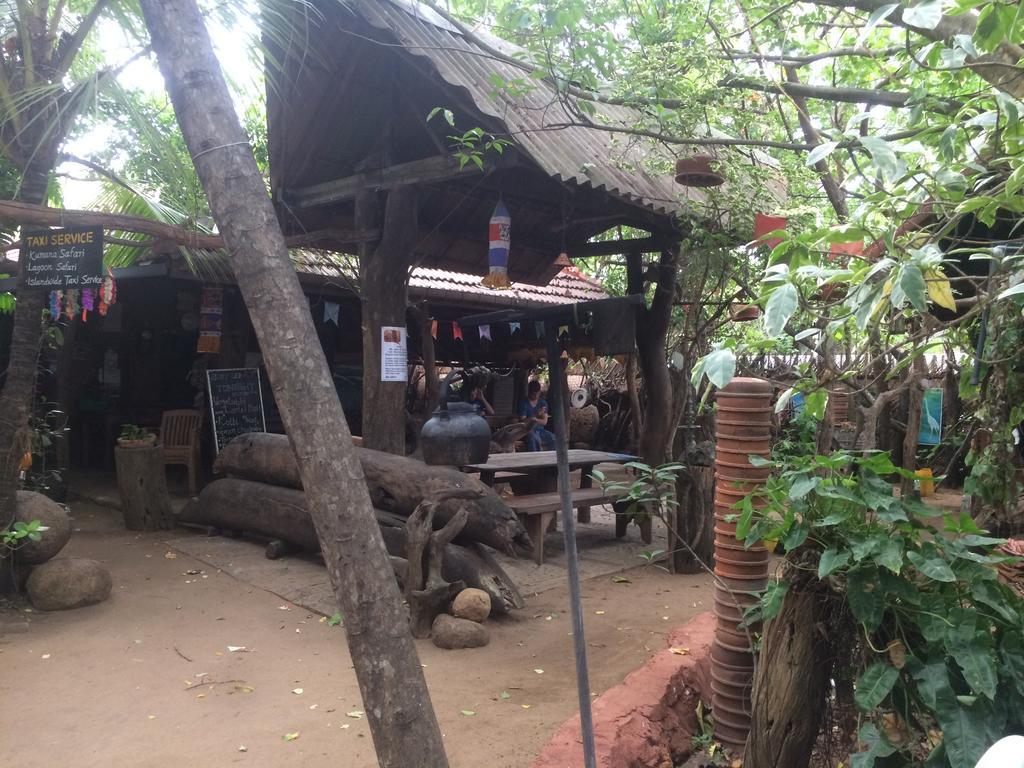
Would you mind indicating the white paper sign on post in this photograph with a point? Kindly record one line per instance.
(394, 358)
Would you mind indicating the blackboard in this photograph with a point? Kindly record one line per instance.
(64, 258)
(236, 403)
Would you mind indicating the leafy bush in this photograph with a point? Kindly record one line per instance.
(942, 672)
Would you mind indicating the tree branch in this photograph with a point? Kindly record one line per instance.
(894, 99)
(788, 60)
(39, 215)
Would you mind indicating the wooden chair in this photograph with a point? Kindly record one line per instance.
(179, 435)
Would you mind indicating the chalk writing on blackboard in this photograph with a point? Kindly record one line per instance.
(236, 403)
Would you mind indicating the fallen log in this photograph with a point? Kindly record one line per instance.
(397, 484)
(274, 512)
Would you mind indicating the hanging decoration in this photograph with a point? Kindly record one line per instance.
(331, 312)
(538, 326)
(500, 239)
(211, 313)
(70, 303)
(433, 329)
(55, 302)
(514, 328)
(485, 332)
(456, 331)
(108, 293)
(563, 330)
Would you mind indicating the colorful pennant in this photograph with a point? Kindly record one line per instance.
(500, 241)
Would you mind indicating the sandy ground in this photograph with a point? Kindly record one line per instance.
(146, 679)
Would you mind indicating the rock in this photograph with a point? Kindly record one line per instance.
(472, 604)
(35, 506)
(451, 633)
(68, 582)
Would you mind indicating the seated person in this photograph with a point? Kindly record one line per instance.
(476, 397)
(534, 411)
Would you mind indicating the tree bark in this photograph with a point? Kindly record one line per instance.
(394, 691)
(914, 401)
(789, 687)
(282, 513)
(652, 324)
(395, 483)
(142, 482)
(384, 285)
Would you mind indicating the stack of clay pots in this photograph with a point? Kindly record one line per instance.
(744, 409)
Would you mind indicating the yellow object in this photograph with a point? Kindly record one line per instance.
(926, 481)
(26, 462)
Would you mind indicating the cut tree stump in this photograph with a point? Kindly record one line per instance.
(142, 481)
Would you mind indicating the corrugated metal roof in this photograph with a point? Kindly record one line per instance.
(536, 118)
(567, 287)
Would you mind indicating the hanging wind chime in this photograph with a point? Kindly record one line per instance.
(500, 239)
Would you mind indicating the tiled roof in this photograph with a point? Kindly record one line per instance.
(567, 287)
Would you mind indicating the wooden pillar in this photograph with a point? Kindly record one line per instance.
(383, 273)
(142, 482)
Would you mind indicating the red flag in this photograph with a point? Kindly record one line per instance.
(763, 224)
(456, 331)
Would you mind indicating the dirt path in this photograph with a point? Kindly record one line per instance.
(146, 679)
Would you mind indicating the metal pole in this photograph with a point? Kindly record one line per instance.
(569, 532)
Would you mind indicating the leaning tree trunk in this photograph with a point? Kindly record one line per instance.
(394, 692)
(26, 341)
(790, 685)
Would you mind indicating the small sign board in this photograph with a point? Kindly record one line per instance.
(56, 259)
(931, 417)
(236, 403)
(394, 359)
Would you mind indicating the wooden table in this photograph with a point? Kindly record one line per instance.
(534, 480)
(545, 463)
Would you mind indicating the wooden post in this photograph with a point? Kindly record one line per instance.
(383, 273)
(142, 481)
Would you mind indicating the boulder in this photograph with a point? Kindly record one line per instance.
(472, 604)
(451, 633)
(68, 582)
(35, 506)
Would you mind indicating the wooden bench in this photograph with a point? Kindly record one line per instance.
(537, 511)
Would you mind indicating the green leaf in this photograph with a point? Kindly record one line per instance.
(932, 680)
(781, 306)
(991, 594)
(914, 287)
(771, 600)
(890, 554)
(865, 599)
(875, 746)
(874, 685)
(831, 561)
(925, 15)
(878, 16)
(1015, 290)
(720, 366)
(978, 666)
(933, 566)
(882, 154)
(783, 401)
(815, 403)
(803, 485)
(963, 730)
(821, 151)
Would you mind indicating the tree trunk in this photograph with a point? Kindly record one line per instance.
(394, 691)
(915, 400)
(282, 513)
(695, 519)
(636, 417)
(432, 382)
(396, 484)
(652, 324)
(790, 686)
(384, 286)
(142, 482)
(26, 341)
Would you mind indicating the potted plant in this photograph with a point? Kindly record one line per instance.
(133, 436)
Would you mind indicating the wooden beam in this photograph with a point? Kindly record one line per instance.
(434, 168)
(617, 247)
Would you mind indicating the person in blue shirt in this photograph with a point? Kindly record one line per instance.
(534, 411)
(476, 397)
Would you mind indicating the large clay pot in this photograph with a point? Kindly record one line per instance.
(740, 457)
(456, 435)
(730, 658)
(745, 585)
(731, 726)
(742, 471)
(698, 171)
(748, 384)
(757, 444)
(742, 401)
(735, 564)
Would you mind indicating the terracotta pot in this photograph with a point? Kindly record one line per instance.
(745, 423)
(730, 682)
(726, 608)
(698, 171)
(741, 456)
(743, 402)
(738, 552)
(757, 444)
(723, 528)
(744, 312)
(747, 384)
(742, 471)
(732, 723)
(726, 503)
(729, 565)
(741, 586)
(730, 658)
